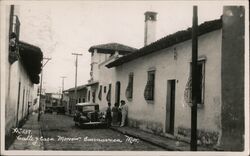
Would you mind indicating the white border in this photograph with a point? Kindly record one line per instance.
(3, 3)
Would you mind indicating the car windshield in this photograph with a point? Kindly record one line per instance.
(88, 108)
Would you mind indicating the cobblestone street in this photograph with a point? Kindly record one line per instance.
(60, 133)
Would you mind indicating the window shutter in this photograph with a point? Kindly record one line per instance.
(108, 97)
(188, 88)
(93, 96)
(100, 93)
(89, 95)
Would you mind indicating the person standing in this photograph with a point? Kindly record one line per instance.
(124, 110)
(108, 115)
(115, 113)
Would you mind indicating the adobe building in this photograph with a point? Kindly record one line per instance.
(101, 78)
(22, 65)
(155, 81)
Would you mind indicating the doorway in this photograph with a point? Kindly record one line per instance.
(170, 107)
(117, 92)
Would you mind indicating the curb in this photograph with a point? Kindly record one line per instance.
(168, 147)
(146, 140)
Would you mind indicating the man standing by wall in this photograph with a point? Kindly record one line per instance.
(124, 110)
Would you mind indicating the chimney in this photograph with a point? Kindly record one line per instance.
(150, 27)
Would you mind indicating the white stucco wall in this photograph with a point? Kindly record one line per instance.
(106, 78)
(18, 74)
(15, 73)
(96, 60)
(168, 68)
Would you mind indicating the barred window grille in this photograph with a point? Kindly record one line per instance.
(201, 84)
(150, 86)
(188, 91)
(129, 90)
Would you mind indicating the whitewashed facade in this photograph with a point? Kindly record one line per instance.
(167, 63)
(19, 91)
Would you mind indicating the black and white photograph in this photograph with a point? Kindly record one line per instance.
(81, 77)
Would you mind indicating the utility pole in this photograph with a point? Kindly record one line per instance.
(41, 84)
(193, 145)
(63, 77)
(76, 54)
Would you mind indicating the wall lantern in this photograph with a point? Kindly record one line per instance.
(14, 39)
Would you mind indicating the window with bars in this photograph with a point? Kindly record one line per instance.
(129, 90)
(201, 84)
(150, 86)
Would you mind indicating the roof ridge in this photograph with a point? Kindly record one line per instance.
(168, 40)
(184, 30)
(113, 46)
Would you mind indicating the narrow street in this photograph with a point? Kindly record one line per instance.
(60, 133)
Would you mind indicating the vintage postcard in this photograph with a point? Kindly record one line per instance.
(124, 77)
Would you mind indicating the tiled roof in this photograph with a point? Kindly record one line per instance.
(73, 88)
(31, 58)
(112, 47)
(168, 41)
(92, 83)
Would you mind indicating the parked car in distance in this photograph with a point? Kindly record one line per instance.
(88, 115)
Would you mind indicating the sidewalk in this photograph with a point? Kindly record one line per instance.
(29, 142)
(161, 141)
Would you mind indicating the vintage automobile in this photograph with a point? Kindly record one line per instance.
(88, 115)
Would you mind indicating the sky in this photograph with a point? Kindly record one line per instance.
(65, 27)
